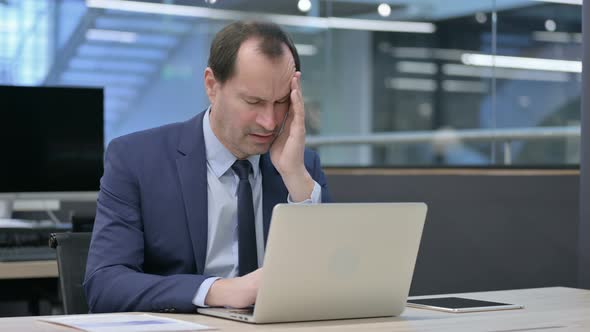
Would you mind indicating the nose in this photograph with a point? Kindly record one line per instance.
(266, 118)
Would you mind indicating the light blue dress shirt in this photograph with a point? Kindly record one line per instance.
(222, 203)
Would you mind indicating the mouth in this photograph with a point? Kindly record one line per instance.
(263, 138)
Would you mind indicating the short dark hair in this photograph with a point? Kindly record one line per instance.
(227, 42)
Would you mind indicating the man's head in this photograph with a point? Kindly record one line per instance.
(248, 81)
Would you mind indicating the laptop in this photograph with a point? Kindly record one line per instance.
(335, 261)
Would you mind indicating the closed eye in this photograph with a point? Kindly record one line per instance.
(283, 101)
(252, 102)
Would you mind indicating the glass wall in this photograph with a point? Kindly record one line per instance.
(25, 41)
(386, 83)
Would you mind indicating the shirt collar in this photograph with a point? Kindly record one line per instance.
(218, 156)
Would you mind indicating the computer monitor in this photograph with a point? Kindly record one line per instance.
(51, 142)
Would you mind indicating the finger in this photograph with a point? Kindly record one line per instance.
(294, 85)
(297, 103)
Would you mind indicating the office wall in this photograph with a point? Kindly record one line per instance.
(584, 232)
(485, 230)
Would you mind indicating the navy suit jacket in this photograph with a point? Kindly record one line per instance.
(150, 234)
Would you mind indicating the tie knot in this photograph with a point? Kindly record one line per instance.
(242, 168)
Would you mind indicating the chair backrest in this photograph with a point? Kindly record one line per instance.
(72, 252)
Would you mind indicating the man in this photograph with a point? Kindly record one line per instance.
(184, 209)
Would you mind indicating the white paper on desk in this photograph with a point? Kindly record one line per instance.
(125, 323)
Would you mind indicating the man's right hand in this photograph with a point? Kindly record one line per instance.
(237, 292)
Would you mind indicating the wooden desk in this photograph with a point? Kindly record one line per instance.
(546, 309)
(28, 270)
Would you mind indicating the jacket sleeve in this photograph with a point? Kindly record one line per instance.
(114, 279)
(319, 176)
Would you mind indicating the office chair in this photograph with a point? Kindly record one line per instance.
(72, 252)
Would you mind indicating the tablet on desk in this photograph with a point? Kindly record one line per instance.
(460, 304)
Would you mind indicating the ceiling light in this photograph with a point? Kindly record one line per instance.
(287, 20)
(378, 25)
(304, 5)
(481, 17)
(557, 37)
(417, 67)
(488, 60)
(564, 2)
(452, 69)
(384, 10)
(411, 84)
(306, 49)
(550, 25)
(111, 36)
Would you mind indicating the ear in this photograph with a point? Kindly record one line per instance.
(211, 85)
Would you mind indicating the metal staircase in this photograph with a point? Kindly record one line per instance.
(122, 52)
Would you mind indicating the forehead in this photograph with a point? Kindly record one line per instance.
(255, 69)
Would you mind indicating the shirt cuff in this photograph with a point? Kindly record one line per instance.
(199, 299)
(315, 198)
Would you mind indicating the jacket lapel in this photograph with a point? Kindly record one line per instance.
(273, 191)
(192, 173)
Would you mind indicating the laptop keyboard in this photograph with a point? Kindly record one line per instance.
(247, 311)
(28, 253)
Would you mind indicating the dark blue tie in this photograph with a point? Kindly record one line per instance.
(248, 260)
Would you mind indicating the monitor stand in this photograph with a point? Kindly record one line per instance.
(6, 220)
(6, 208)
(32, 205)
(10, 205)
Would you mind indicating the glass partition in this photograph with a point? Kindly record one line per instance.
(386, 83)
